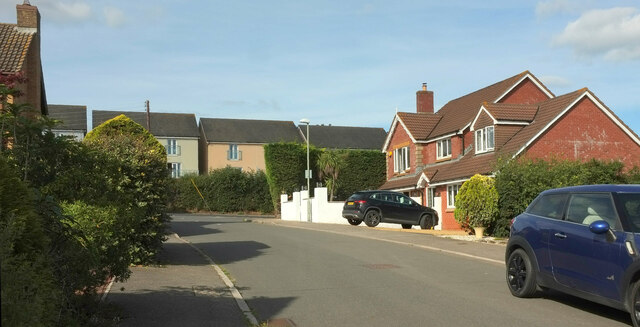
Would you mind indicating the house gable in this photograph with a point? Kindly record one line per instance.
(586, 129)
(527, 90)
(399, 138)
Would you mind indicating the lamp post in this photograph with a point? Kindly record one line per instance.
(307, 173)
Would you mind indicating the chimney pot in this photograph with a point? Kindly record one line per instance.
(424, 86)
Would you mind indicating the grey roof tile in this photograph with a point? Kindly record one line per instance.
(345, 137)
(72, 117)
(162, 124)
(249, 131)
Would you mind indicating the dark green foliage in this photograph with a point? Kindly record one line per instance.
(29, 293)
(285, 164)
(362, 170)
(477, 202)
(225, 190)
(519, 181)
(142, 179)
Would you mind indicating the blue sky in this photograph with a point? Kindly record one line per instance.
(349, 63)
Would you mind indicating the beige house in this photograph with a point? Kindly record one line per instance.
(239, 143)
(177, 132)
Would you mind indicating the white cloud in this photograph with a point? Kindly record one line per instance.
(612, 33)
(555, 81)
(553, 7)
(114, 16)
(65, 11)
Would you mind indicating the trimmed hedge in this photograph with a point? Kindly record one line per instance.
(363, 170)
(224, 190)
(285, 164)
(519, 181)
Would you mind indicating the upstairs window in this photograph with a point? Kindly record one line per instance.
(172, 147)
(233, 153)
(484, 139)
(443, 148)
(401, 160)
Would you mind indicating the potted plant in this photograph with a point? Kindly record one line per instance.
(477, 204)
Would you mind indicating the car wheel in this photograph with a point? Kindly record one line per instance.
(372, 218)
(354, 222)
(426, 222)
(521, 276)
(406, 226)
(634, 305)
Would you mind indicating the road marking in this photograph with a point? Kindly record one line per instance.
(242, 304)
(432, 248)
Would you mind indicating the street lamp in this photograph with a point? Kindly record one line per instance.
(307, 173)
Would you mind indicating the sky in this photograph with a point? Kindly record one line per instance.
(346, 63)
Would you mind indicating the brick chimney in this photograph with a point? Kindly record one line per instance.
(28, 16)
(424, 100)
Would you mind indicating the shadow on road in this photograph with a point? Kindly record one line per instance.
(267, 308)
(588, 306)
(228, 252)
(192, 228)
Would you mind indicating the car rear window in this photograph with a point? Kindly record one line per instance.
(357, 196)
(550, 206)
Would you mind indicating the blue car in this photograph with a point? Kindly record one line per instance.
(580, 240)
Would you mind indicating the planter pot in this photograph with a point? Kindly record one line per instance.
(479, 231)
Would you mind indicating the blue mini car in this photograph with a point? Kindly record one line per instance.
(580, 240)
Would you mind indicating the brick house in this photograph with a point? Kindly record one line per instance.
(20, 56)
(430, 154)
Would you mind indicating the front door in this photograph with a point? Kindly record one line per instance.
(581, 259)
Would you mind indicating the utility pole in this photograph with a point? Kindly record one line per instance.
(146, 104)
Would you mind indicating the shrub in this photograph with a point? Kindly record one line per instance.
(519, 181)
(224, 190)
(363, 170)
(29, 293)
(142, 179)
(285, 165)
(477, 202)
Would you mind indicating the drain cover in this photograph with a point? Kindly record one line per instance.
(380, 266)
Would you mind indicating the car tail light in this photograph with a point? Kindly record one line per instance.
(512, 221)
(360, 201)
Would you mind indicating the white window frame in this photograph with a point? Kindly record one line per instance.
(234, 153)
(452, 191)
(443, 148)
(431, 194)
(175, 169)
(172, 147)
(485, 139)
(401, 160)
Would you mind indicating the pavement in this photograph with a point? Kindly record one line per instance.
(186, 290)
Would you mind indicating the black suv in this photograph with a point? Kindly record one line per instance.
(374, 207)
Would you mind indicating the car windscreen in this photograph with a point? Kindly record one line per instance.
(630, 206)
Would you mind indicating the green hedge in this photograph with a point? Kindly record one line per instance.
(285, 164)
(519, 181)
(363, 170)
(224, 190)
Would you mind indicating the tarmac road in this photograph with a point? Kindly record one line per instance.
(333, 275)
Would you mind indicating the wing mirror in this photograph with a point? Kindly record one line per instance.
(602, 227)
(599, 227)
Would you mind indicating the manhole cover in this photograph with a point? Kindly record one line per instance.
(380, 266)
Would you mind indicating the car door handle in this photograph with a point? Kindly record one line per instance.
(560, 235)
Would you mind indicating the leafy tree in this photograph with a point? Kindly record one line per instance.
(477, 202)
(142, 181)
(330, 163)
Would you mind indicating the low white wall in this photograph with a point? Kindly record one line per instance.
(322, 211)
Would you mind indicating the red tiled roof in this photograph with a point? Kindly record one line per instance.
(459, 112)
(419, 124)
(14, 44)
(512, 112)
(402, 182)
